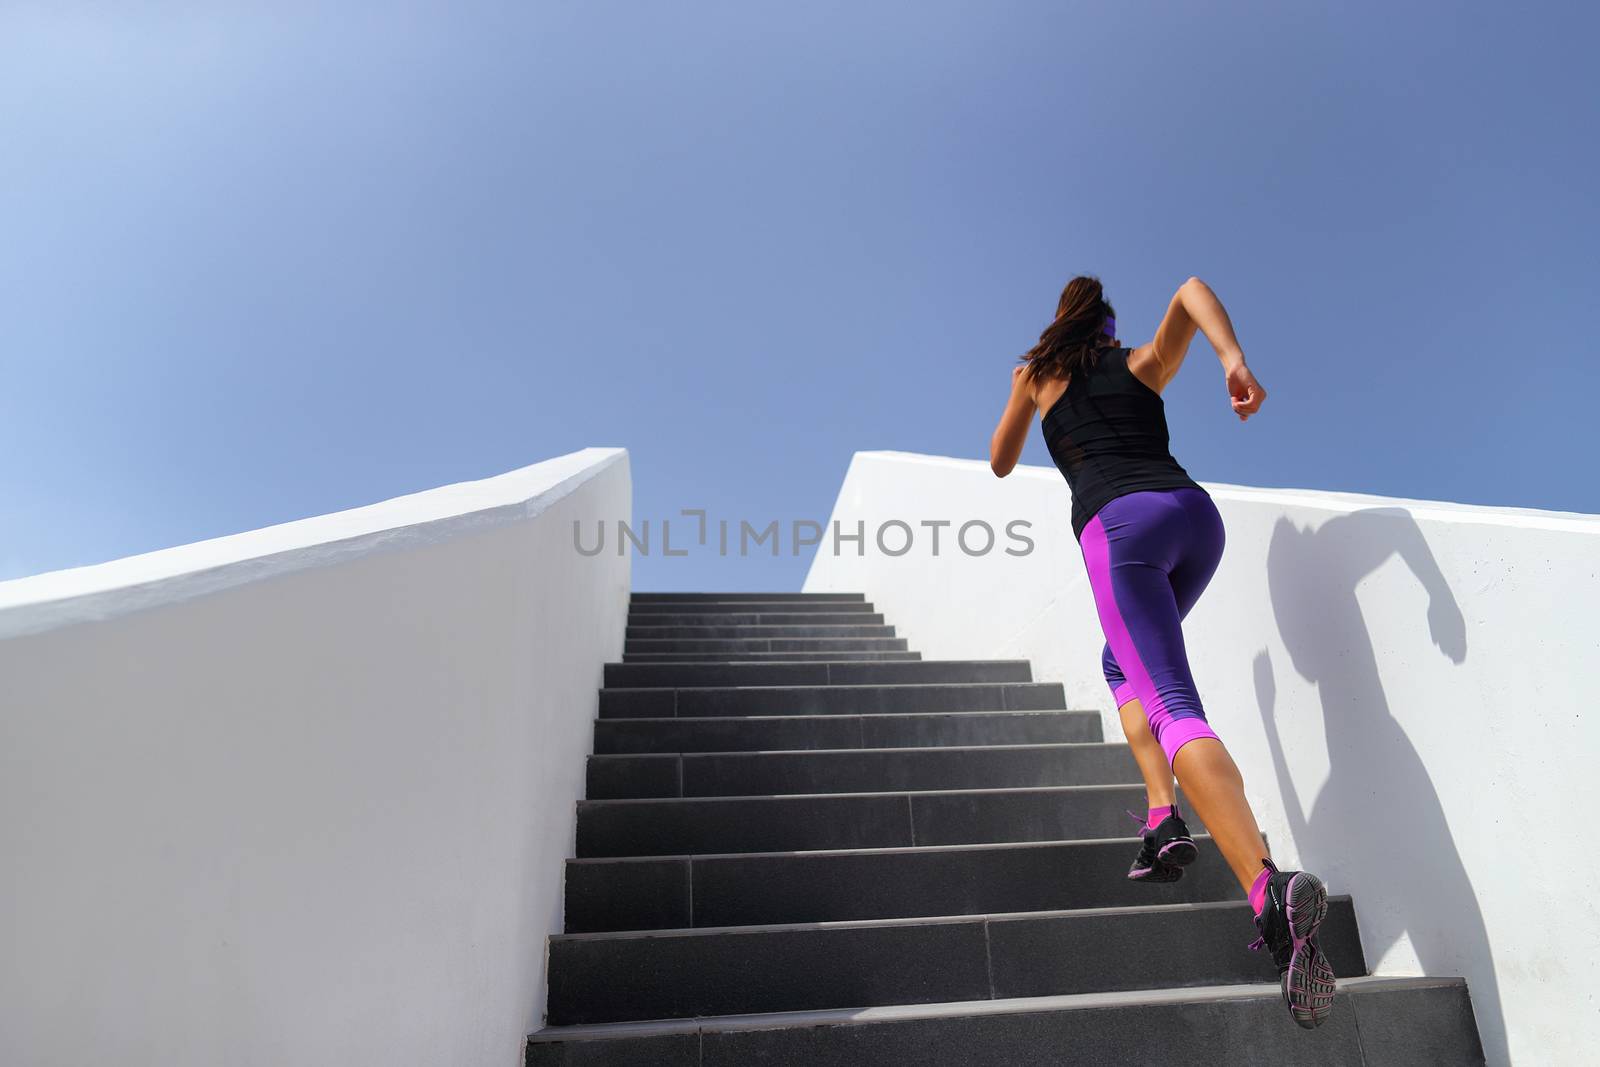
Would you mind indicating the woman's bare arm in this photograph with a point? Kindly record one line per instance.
(1195, 307)
(1005, 447)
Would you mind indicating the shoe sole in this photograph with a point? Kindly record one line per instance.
(1308, 983)
(1161, 873)
(1174, 856)
(1179, 853)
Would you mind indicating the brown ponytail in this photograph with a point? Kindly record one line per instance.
(1072, 341)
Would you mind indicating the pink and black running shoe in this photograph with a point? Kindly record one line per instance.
(1166, 851)
(1295, 906)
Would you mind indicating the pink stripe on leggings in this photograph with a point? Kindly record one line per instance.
(1171, 734)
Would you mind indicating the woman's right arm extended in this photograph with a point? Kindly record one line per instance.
(1195, 307)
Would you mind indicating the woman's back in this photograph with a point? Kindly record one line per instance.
(1107, 434)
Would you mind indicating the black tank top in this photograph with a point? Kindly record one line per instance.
(1108, 436)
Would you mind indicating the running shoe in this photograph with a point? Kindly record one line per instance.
(1166, 850)
(1296, 904)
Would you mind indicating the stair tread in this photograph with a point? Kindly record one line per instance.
(754, 663)
(886, 656)
(834, 718)
(884, 851)
(674, 640)
(936, 662)
(751, 626)
(823, 663)
(1013, 1005)
(884, 793)
(832, 687)
(1120, 911)
(929, 750)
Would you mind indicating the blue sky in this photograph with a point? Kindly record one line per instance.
(267, 262)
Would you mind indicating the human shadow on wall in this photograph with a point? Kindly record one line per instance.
(1378, 815)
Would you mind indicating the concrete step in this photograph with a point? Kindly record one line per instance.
(833, 699)
(821, 672)
(702, 597)
(806, 844)
(742, 607)
(648, 620)
(763, 657)
(831, 886)
(724, 645)
(857, 770)
(692, 826)
(744, 631)
(806, 732)
(661, 974)
(1376, 1022)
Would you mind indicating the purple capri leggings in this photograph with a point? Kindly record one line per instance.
(1149, 555)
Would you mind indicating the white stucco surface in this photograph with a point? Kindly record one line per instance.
(1400, 681)
(302, 795)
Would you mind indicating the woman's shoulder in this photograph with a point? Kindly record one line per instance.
(1046, 391)
(1142, 363)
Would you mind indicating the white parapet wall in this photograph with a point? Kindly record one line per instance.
(1401, 681)
(301, 796)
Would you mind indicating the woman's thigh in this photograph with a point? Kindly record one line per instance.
(1139, 535)
(1126, 552)
(1129, 560)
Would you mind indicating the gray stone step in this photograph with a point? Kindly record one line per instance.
(612, 977)
(724, 645)
(836, 699)
(857, 770)
(634, 633)
(743, 607)
(1376, 1022)
(831, 886)
(804, 732)
(807, 845)
(701, 597)
(647, 620)
(763, 657)
(692, 826)
(820, 672)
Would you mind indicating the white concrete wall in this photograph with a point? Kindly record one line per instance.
(1402, 682)
(302, 796)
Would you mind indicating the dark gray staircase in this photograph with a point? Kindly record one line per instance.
(803, 844)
